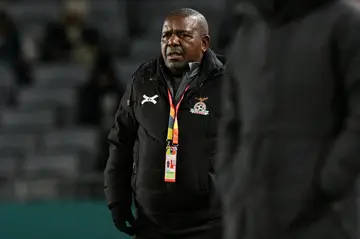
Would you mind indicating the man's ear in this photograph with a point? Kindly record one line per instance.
(205, 43)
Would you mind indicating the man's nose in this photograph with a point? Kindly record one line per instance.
(174, 40)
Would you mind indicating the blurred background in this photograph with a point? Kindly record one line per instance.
(63, 67)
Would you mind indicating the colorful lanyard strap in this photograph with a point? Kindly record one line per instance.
(173, 127)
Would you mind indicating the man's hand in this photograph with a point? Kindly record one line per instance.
(123, 219)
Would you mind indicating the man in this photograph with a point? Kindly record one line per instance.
(290, 143)
(163, 143)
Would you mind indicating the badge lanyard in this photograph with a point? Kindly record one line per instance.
(172, 139)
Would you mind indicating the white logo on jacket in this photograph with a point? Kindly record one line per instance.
(148, 99)
(200, 107)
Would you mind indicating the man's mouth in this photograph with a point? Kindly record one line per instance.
(174, 55)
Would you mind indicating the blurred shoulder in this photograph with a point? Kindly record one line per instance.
(146, 70)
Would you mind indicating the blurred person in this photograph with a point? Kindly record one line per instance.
(100, 96)
(55, 46)
(90, 48)
(10, 46)
(290, 138)
(71, 39)
(29, 48)
(98, 101)
(11, 50)
(162, 144)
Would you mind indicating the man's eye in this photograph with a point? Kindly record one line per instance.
(184, 35)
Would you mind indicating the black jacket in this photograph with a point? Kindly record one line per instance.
(290, 140)
(187, 208)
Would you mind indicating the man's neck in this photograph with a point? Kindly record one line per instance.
(180, 72)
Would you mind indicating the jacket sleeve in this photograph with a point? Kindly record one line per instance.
(343, 164)
(121, 142)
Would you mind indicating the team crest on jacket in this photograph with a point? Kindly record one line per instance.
(200, 107)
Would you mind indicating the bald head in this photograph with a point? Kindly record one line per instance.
(201, 22)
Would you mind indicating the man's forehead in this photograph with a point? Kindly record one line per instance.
(180, 23)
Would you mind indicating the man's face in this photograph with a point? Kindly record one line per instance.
(182, 42)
